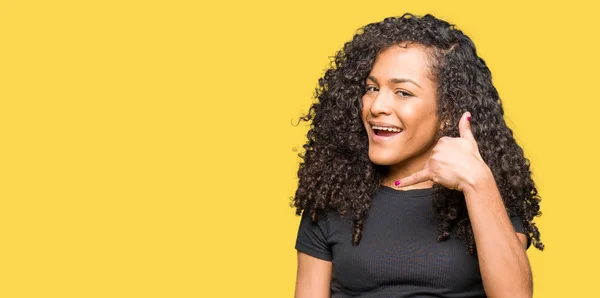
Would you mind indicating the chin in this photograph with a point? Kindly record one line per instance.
(383, 158)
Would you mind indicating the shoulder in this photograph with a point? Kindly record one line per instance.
(314, 235)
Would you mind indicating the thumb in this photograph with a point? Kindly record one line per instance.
(464, 126)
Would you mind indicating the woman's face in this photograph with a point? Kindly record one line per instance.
(399, 108)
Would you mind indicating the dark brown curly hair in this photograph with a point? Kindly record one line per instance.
(336, 174)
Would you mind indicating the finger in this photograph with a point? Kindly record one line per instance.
(464, 126)
(415, 178)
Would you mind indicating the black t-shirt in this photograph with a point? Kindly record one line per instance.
(399, 255)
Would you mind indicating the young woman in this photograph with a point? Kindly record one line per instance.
(411, 183)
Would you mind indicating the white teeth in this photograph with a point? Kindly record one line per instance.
(387, 128)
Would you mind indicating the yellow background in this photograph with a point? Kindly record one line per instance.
(146, 147)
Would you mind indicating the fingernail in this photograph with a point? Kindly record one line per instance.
(397, 182)
(469, 118)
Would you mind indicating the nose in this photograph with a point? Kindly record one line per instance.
(382, 103)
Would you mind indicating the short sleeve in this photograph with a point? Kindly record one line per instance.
(517, 223)
(312, 238)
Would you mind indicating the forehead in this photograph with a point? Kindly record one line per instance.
(402, 61)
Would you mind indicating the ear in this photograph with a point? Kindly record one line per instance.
(444, 124)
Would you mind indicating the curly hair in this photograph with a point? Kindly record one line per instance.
(336, 174)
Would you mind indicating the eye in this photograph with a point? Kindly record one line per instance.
(403, 93)
(371, 88)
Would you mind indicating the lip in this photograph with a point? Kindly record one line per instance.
(382, 139)
(380, 123)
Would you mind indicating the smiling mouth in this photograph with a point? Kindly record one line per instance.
(385, 131)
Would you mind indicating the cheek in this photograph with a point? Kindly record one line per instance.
(365, 108)
(419, 121)
(409, 114)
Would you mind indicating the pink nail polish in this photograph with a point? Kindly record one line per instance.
(397, 182)
(469, 118)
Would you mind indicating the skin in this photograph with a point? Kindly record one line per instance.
(457, 164)
(399, 92)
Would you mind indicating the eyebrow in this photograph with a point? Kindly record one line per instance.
(396, 81)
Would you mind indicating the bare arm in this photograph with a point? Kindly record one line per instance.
(313, 279)
(503, 263)
(457, 164)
